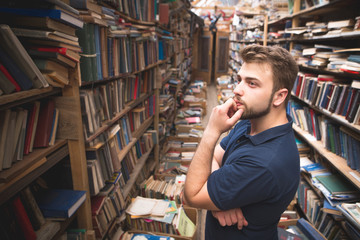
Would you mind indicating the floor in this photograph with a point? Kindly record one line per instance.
(211, 103)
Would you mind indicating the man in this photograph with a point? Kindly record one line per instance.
(249, 179)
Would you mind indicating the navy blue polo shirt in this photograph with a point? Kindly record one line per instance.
(259, 174)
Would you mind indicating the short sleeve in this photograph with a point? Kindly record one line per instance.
(239, 184)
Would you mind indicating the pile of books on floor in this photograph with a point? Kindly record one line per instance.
(162, 217)
(177, 153)
(190, 100)
(198, 88)
(188, 122)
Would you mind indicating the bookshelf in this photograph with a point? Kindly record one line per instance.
(33, 165)
(130, 85)
(337, 162)
(251, 29)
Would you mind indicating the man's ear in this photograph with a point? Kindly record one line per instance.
(280, 96)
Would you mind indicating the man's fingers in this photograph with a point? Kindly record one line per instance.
(241, 219)
(236, 116)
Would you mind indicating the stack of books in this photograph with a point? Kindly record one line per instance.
(47, 30)
(161, 216)
(163, 187)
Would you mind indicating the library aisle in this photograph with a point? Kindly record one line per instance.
(211, 103)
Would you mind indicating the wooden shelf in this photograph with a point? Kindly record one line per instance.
(338, 162)
(136, 171)
(30, 168)
(337, 118)
(22, 97)
(108, 124)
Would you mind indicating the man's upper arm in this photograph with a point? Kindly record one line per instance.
(203, 199)
(217, 158)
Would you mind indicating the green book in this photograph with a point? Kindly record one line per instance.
(335, 184)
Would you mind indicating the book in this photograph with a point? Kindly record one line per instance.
(32, 208)
(62, 50)
(4, 73)
(4, 121)
(10, 141)
(46, 35)
(60, 202)
(353, 209)
(50, 66)
(335, 184)
(23, 219)
(44, 23)
(57, 57)
(48, 230)
(309, 230)
(31, 126)
(5, 84)
(141, 206)
(144, 236)
(44, 124)
(11, 44)
(184, 225)
(45, 43)
(16, 73)
(51, 13)
(54, 127)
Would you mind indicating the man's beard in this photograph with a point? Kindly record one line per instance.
(250, 113)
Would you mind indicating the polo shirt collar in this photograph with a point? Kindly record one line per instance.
(270, 133)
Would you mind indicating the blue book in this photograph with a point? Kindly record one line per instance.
(60, 203)
(51, 13)
(98, 51)
(110, 49)
(161, 50)
(20, 77)
(129, 55)
(142, 236)
(309, 230)
(124, 126)
(347, 102)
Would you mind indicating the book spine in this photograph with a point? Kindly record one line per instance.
(23, 219)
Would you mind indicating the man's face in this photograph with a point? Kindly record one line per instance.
(253, 92)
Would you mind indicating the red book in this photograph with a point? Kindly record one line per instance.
(11, 79)
(350, 103)
(23, 219)
(43, 129)
(164, 13)
(136, 86)
(300, 77)
(30, 125)
(96, 204)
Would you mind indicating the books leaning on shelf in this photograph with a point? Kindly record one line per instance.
(169, 188)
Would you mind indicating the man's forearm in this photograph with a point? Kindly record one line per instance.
(200, 167)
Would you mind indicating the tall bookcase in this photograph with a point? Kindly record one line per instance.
(124, 64)
(336, 161)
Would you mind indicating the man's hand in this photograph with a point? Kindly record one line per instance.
(231, 217)
(223, 117)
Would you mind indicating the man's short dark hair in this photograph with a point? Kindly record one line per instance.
(279, 59)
